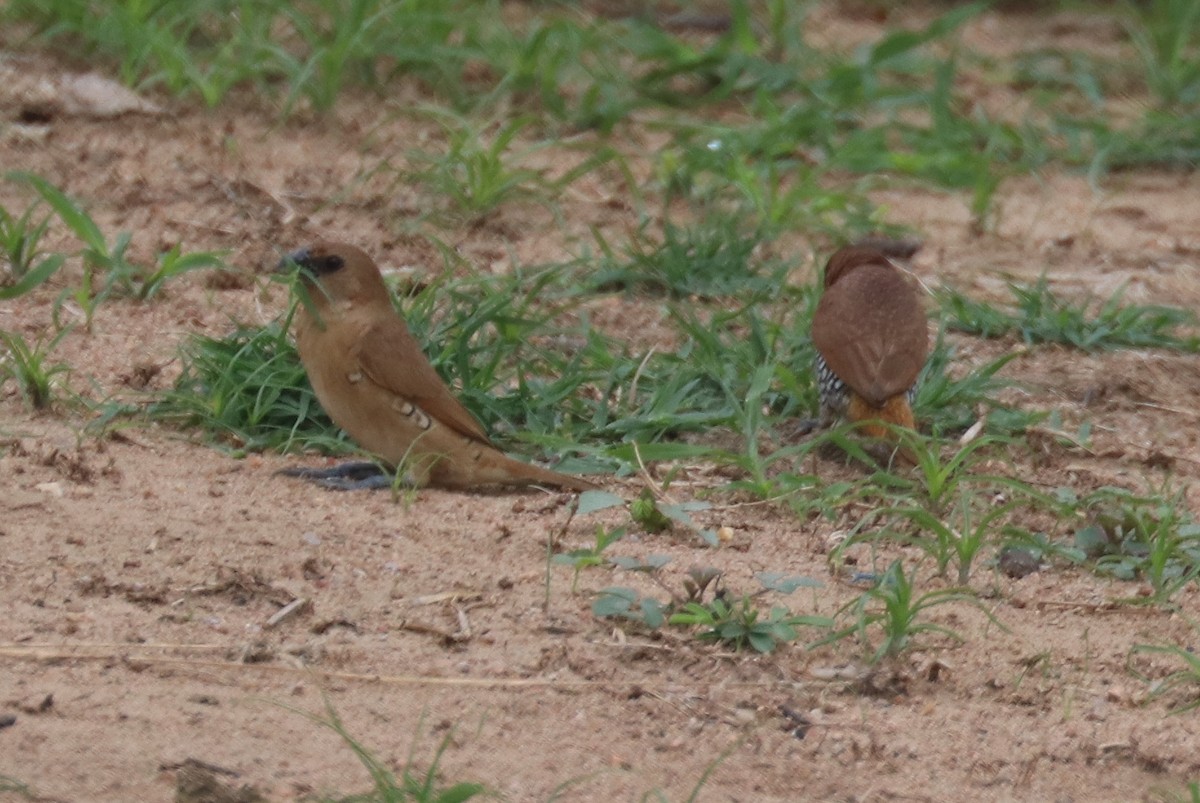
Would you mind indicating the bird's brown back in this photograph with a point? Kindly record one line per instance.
(869, 325)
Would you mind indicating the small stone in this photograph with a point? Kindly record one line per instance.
(1017, 563)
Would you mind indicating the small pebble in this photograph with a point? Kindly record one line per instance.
(1017, 563)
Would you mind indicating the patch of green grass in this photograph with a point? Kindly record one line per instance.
(312, 52)
(1166, 36)
(1038, 315)
(740, 625)
(493, 339)
(106, 268)
(894, 609)
(580, 559)
(868, 112)
(957, 536)
(1131, 536)
(754, 174)
(943, 470)
(16, 787)
(949, 405)
(711, 258)
(411, 785)
(20, 237)
(37, 379)
(97, 255)
(248, 390)
(1187, 677)
(473, 174)
(734, 621)
(515, 356)
(521, 356)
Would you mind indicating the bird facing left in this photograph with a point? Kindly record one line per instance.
(374, 381)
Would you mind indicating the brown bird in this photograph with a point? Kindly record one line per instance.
(370, 375)
(871, 339)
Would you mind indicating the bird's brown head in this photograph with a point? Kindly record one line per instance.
(337, 273)
(846, 260)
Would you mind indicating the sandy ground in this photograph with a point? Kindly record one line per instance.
(139, 573)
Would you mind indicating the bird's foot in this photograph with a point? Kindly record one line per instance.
(355, 476)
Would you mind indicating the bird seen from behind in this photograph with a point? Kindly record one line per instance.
(372, 378)
(871, 338)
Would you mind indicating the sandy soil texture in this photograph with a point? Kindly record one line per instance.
(141, 574)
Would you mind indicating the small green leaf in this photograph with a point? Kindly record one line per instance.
(680, 512)
(33, 278)
(1093, 540)
(592, 501)
(653, 612)
(784, 584)
(762, 642)
(461, 792)
(633, 564)
(614, 601)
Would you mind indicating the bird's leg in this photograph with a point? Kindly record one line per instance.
(353, 476)
(827, 418)
(804, 426)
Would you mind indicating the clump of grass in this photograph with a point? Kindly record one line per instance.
(949, 405)
(508, 346)
(411, 785)
(521, 358)
(731, 620)
(1039, 315)
(1187, 677)
(8, 784)
(311, 52)
(1132, 536)
(955, 536)
(894, 608)
(20, 236)
(37, 378)
(740, 624)
(475, 173)
(249, 391)
(714, 257)
(1166, 35)
(106, 268)
(756, 178)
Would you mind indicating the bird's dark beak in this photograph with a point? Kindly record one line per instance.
(297, 259)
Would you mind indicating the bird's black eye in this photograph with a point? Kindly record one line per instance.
(328, 264)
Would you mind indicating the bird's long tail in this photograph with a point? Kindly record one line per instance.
(536, 475)
(493, 467)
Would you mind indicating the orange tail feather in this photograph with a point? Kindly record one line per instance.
(895, 411)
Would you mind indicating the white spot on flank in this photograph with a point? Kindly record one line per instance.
(416, 413)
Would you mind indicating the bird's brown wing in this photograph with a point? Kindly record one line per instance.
(870, 329)
(390, 357)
